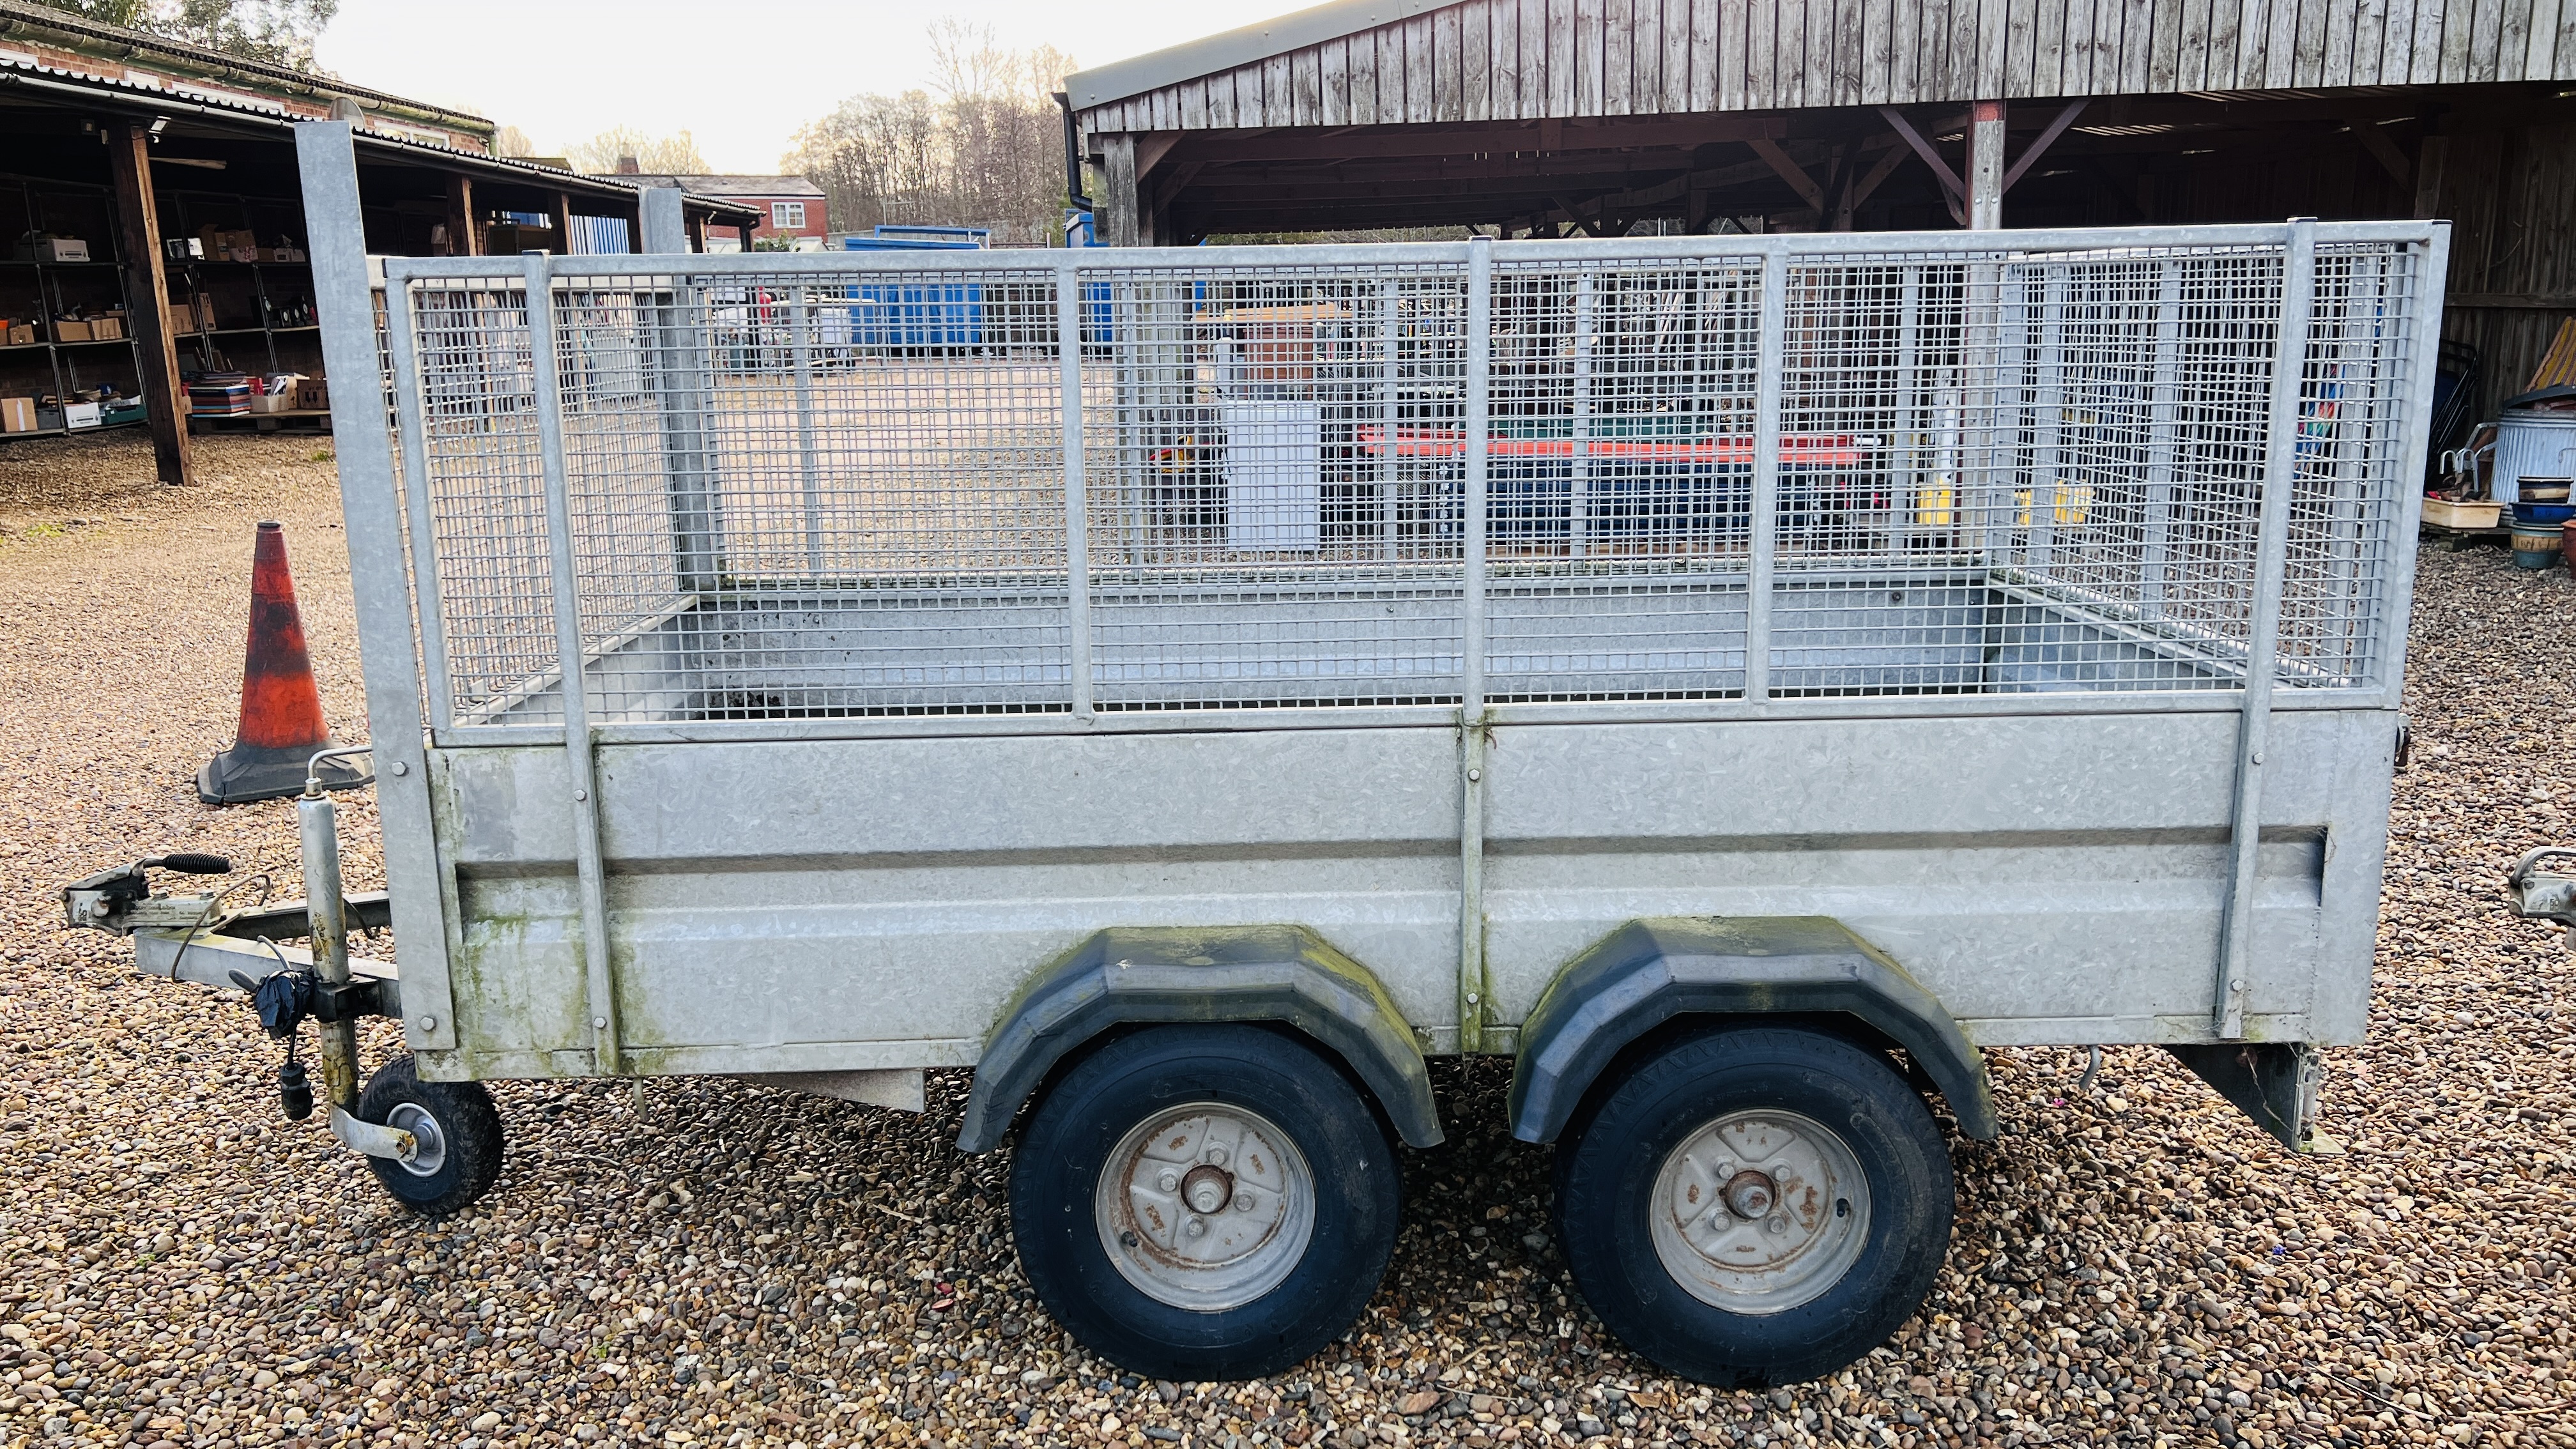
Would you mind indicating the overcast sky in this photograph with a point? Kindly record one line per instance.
(741, 77)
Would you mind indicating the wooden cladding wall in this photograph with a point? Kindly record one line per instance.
(2511, 197)
(1500, 60)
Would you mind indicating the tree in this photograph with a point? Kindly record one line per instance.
(654, 155)
(983, 146)
(511, 141)
(279, 32)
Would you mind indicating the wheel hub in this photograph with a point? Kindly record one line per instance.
(1206, 1207)
(1759, 1211)
(1750, 1194)
(429, 1144)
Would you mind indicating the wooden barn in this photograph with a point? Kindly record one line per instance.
(1609, 116)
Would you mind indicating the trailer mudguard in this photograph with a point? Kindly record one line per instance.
(1137, 975)
(1650, 971)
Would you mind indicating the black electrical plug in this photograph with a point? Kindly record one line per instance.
(294, 1091)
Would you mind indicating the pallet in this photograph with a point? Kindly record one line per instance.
(2456, 539)
(315, 420)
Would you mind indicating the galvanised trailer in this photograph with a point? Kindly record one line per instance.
(1739, 678)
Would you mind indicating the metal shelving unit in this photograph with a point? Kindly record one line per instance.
(186, 213)
(63, 360)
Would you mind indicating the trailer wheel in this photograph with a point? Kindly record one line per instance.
(1204, 1202)
(457, 1127)
(1755, 1206)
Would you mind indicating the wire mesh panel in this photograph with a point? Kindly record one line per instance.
(811, 487)
(1276, 465)
(1620, 476)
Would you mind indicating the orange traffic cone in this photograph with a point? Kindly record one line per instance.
(281, 711)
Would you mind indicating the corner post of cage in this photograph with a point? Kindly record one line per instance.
(411, 423)
(371, 508)
(2163, 421)
(678, 356)
(665, 229)
(1473, 993)
(1771, 350)
(2431, 260)
(2263, 632)
(1077, 503)
(581, 767)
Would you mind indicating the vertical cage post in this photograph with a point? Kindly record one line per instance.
(371, 504)
(677, 364)
(800, 322)
(1578, 483)
(1905, 475)
(2426, 264)
(1478, 422)
(2263, 636)
(2046, 477)
(1386, 453)
(1771, 354)
(2163, 441)
(402, 350)
(564, 564)
(1077, 508)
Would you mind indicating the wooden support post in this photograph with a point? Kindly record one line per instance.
(1121, 216)
(563, 224)
(147, 304)
(2428, 176)
(464, 232)
(697, 232)
(1986, 166)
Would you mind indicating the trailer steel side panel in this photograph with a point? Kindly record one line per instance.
(1915, 581)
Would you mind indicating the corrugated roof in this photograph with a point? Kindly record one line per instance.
(17, 16)
(230, 105)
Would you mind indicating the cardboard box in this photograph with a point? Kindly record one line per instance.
(22, 334)
(71, 331)
(107, 329)
(313, 395)
(54, 249)
(80, 415)
(271, 402)
(183, 248)
(219, 242)
(17, 415)
(282, 254)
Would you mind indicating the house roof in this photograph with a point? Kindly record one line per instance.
(113, 45)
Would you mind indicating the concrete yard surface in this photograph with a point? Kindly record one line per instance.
(699, 1262)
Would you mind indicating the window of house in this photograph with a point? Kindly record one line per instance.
(787, 215)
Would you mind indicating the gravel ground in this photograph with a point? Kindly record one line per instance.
(709, 1263)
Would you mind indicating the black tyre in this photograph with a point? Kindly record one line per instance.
(457, 1127)
(1756, 1205)
(1204, 1202)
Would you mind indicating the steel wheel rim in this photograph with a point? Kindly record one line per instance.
(1205, 1207)
(1808, 1220)
(429, 1143)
